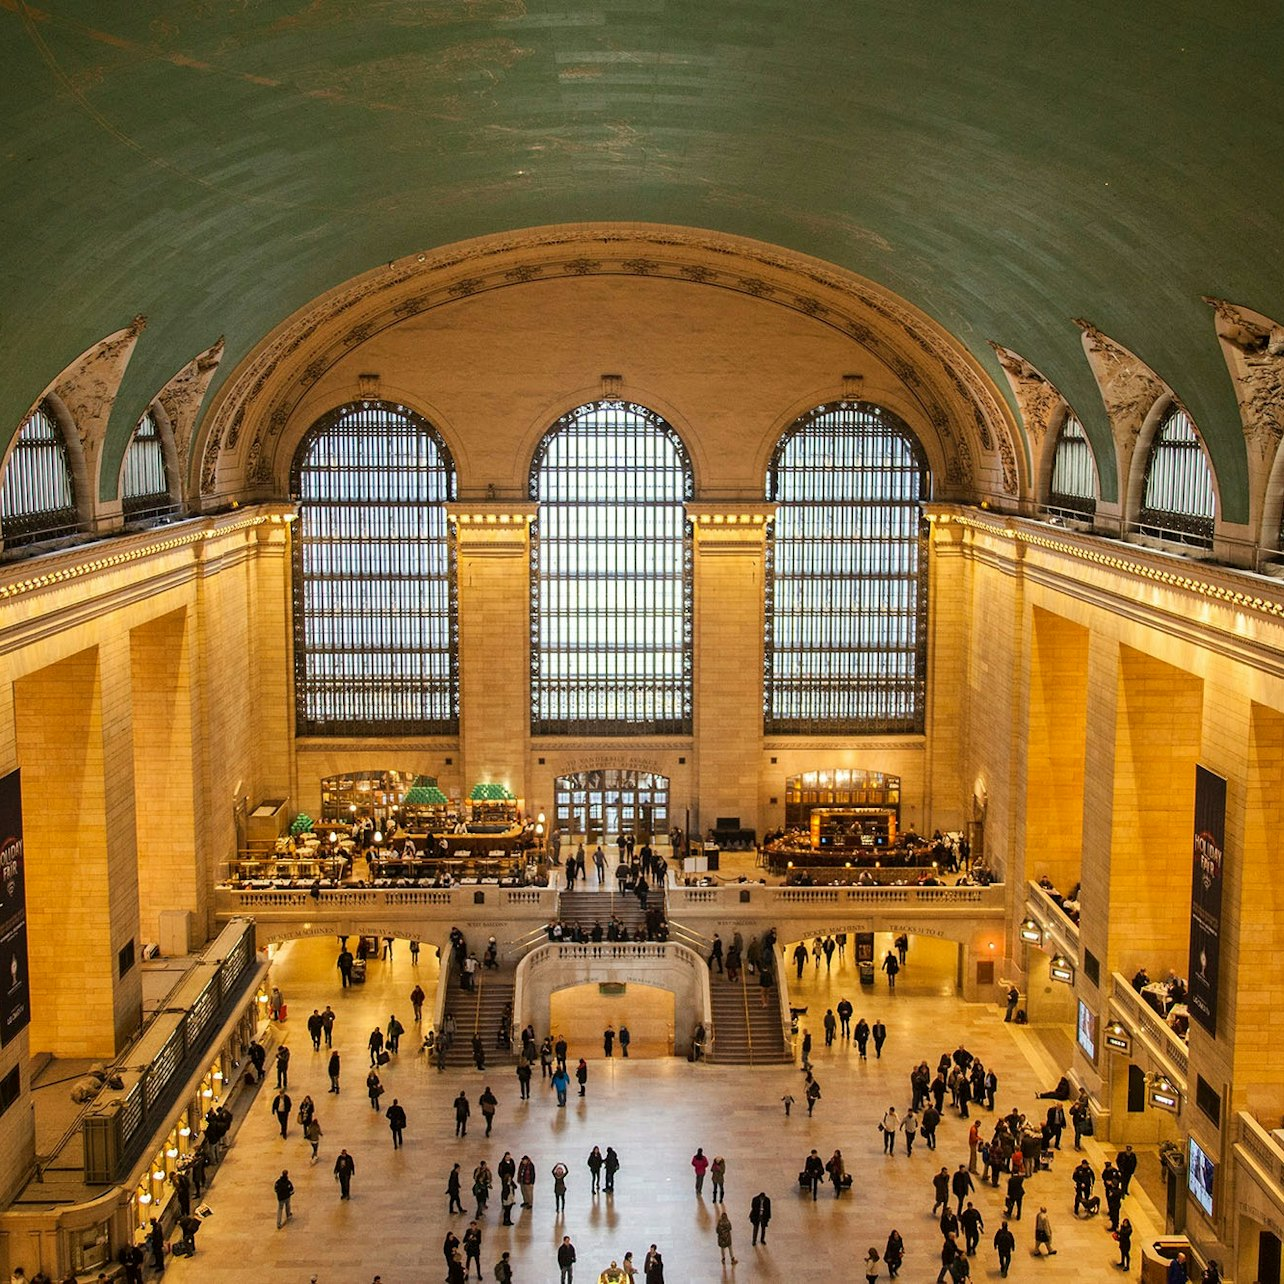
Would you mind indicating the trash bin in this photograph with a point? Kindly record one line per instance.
(867, 974)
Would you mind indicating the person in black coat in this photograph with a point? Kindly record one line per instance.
(760, 1215)
(1004, 1243)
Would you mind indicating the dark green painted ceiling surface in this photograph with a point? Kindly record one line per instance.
(1005, 166)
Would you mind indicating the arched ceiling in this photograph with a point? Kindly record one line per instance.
(1004, 167)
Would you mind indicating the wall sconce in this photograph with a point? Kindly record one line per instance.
(158, 1174)
(172, 1152)
(1031, 932)
(207, 1093)
(540, 818)
(144, 1198)
(1118, 1039)
(184, 1131)
(218, 1074)
(334, 838)
(1061, 969)
(378, 836)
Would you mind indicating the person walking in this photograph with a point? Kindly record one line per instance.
(890, 1126)
(717, 1178)
(566, 1260)
(723, 1233)
(283, 1067)
(941, 1189)
(462, 1111)
(312, 1133)
(878, 1032)
(488, 1102)
(814, 1171)
(1126, 1163)
(344, 1167)
(891, 967)
(526, 1180)
(454, 1189)
(375, 1044)
(625, 1039)
(482, 1181)
(611, 1166)
(894, 1252)
(861, 1033)
(973, 1224)
(332, 1069)
(472, 1243)
(581, 1075)
(503, 1270)
(560, 1082)
(872, 1266)
(654, 1268)
(608, 1041)
(909, 1126)
(315, 1027)
(760, 1215)
(700, 1162)
(1004, 1243)
(812, 1094)
(394, 1033)
(1124, 1236)
(374, 1089)
(327, 1025)
(1043, 1234)
(560, 1171)
(281, 1109)
(524, 1079)
(284, 1189)
(831, 1027)
(1016, 1196)
(595, 1170)
(417, 997)
(396, 1116)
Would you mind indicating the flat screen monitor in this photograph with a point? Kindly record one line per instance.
(1200, 1171)
(1088, 1030)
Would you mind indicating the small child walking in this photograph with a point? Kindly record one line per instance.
(788, 1102)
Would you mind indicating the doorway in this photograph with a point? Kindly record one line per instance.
(602, 804)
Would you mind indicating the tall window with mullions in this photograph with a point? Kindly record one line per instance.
(846, 637)
(375, 623)
(611, 576)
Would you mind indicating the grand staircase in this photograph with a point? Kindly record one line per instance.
(584, 909)
(479, 1012)
(745, 1031)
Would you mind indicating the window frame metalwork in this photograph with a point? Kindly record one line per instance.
(391, 556)
(1073, 462)
(1178, 468)
(832, 683)
(145, 484)
(38, 490)
(640, 687)
(599, 793)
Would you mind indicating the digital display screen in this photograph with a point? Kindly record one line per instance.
(1199, 1176)
(1088, 1030)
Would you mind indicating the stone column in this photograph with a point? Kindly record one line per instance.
(730, 553)
(493, 572)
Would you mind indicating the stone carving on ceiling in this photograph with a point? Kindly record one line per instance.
(1253, 346)
(292, 359)
(1039, 402)
(88, 388)
(1129, 387)
(181, 397)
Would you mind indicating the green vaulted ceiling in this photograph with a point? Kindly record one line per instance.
(1006, 167)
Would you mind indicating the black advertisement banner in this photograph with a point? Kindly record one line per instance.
(15, 993)
(13, 899)
(1206, 897)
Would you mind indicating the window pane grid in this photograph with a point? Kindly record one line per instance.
(611, 571)
(375, 617)
(846, 640)
(37, 499)
(145, 492)
(1178, 502)
(1074, 474)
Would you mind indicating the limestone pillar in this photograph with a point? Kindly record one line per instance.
(730, 554)
(493, 570)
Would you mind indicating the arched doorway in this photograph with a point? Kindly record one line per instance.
(581, 1013)
(603, 803)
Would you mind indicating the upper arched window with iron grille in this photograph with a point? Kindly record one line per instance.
(1178, 499)
(1073, 486)
(38, 495)
(375, 628)
(145, 479)
(846, 621)
(611, 575)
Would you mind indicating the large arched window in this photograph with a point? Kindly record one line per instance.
(374, 578)
(846, 644)
(37, 496)
(611, 576)
(1073, 487)
(145, 481)
(1178, 501)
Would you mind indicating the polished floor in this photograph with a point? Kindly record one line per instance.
(655, 1113)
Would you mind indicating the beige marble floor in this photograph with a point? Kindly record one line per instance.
(655, 1113)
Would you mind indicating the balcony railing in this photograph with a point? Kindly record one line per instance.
(736, 898)
(1264, 1150)
(1134, 1011)
(1063, 930)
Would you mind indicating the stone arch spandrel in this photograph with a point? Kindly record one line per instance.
(181, 400)
(1253, 347)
